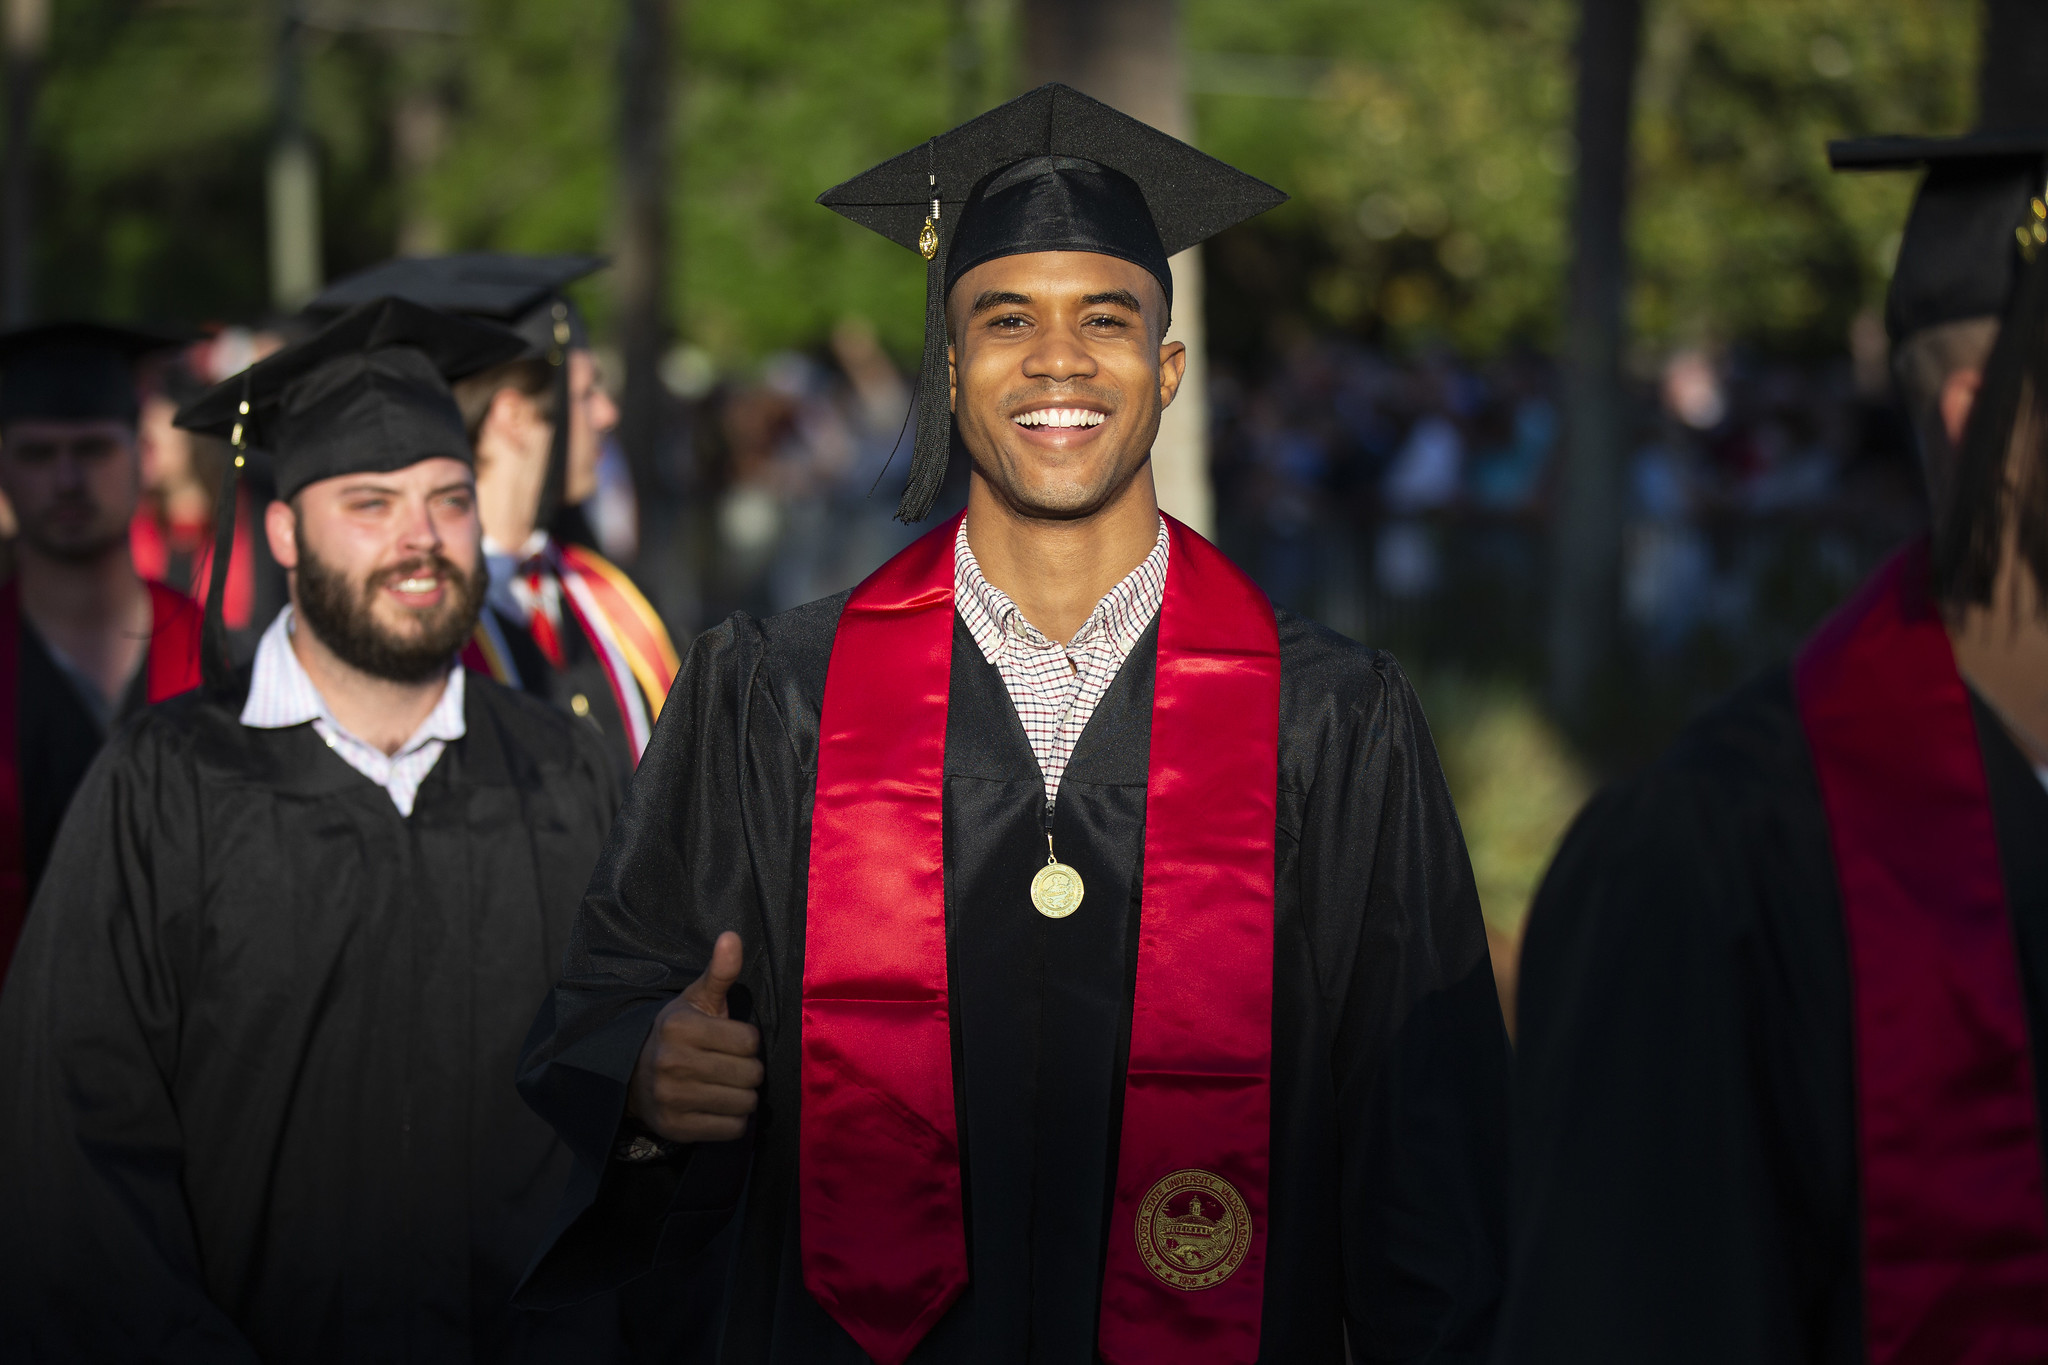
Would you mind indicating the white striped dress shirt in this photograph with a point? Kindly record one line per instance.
(1054, 686)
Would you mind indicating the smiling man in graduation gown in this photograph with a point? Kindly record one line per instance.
(1780, 1088)
(1074, 954)
(84, 641)
(562, 621)
(256, 1054)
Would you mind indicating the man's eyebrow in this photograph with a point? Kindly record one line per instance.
(1122, 298)
(465, 486)
(997, 298)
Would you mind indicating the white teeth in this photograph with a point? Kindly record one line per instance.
(1060, 417)
(416, 585)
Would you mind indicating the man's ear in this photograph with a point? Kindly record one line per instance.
(952, 381)
(1958, 396)
(1173, 367)
(280, 528)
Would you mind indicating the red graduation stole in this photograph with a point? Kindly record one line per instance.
(1955, 1227)
(173, 667)
(884, 1248)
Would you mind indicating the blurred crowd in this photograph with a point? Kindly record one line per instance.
(1363, 488)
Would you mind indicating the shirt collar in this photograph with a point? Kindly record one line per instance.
(282, 694)
(504, 565)
(1125, 610)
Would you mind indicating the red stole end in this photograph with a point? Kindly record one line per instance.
(1955, 1227)
(884, 1247)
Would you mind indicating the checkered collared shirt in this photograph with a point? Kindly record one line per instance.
(281, 695)
(1053, 686)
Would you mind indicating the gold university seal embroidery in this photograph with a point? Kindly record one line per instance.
(1193, 1229)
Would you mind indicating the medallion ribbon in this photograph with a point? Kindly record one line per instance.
(1955, 1228)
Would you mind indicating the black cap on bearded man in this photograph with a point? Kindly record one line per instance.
(1052, 170)
(366, 394)
(1962, 245)
(75, 371)
(523, 293)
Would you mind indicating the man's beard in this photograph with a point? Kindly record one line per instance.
(344, 617)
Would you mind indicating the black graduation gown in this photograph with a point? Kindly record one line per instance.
(257, 1048)
(56, 737)
(582, 674)
(1685, 1111)
(1389, 1055)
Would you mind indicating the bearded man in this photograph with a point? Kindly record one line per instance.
(256, 1099)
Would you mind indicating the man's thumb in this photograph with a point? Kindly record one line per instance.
(707, 993)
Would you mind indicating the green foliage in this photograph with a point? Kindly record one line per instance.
(1435, 153)
(1426, 141)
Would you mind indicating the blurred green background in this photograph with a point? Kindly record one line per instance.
(1427, 144)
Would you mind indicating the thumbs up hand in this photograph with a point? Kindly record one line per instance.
(699, 1073)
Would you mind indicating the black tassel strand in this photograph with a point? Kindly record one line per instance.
(934, 400)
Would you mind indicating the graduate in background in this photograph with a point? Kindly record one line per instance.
(256, 1054)
(563, 622)
(1780, 1091)
(1075, 955)
(84, 641)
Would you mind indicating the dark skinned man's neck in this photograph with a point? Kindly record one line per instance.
(1056, 570)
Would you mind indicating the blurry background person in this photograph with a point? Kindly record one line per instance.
(256, 1059)
(84, 640)
(563, 622)
(1785, 995)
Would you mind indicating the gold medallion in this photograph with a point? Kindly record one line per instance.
(928, 240)
(1056, 891)
(1194, 1229)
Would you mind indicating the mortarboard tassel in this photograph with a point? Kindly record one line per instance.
(934, 384)
(216, 659)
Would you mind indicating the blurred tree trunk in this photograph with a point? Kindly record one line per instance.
(2012, 82)
(294, 174)
(1586, 529)
(978, 42)
(641, 271)
(1127, 53)
(419, 134)
(28, 32)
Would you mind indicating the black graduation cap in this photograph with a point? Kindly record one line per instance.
(366, 394)
(1958, 255)
(1052, 170)
(523, 293)
(74, 371)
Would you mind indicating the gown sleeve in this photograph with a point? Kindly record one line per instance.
(1420, 1057)
(678, 870)
(1684, 1188)
(98, 1258)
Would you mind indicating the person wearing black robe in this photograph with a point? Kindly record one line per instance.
(1692, 1136)
(69, 464)
(1388, 1055)
(256, 1054)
